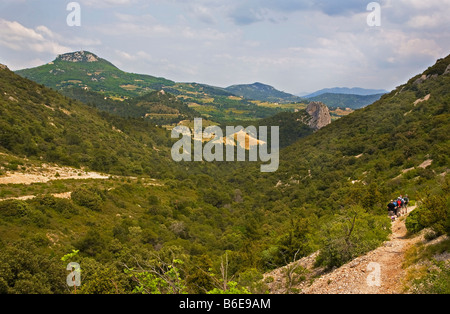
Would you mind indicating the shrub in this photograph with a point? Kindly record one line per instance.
(25, 271)
(87, 198)
(436, 281)
(153, 200)
(432, 213)
(63, 206)
(66, 207)
(350, 235)
(13, 208)
(412, 222)
(92, 243)
(37, 218)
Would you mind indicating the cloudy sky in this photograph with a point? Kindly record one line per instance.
(294, 45)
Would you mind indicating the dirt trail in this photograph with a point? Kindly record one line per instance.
(378, 272)
(48, 173)
(66, 195)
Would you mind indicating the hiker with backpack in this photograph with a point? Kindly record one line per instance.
(392, 210)
(399, 206)
(406, 199)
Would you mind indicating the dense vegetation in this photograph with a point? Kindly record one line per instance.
(158, 107)
(206, 227)
(40, 123)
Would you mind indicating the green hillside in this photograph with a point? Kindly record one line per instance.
(85, 70)
(218, 104)
(398, 145)
(159, 107)
(39, 123)
(263, 92)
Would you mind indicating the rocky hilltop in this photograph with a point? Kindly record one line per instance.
(79, 56)
(320, 115)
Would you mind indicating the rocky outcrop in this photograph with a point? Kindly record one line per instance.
(79, 56)
(3, 67)
(447, 70)
(320, 115)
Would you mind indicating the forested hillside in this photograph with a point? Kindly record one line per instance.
(158, 107)
(39, 123)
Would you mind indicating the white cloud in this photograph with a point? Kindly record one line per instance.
(294, 45)
(17, 37)
(106, 3)
(203, 14)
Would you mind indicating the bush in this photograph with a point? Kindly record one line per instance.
(63, 206)
(350, 235)
(87, 198)
(432, 213)
(101, 279)
(92, 243)
(412, 222)
(37, 218)
(153, 200)
(66, 207)
(13, 208)
(437, 281)
(24, 270)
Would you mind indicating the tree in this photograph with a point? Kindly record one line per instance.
(87, 198)
(158, 276)
(25, 270)
(101, 279)
(352, 233)
(293, 272)
(200, 278)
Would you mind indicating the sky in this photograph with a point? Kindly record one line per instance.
(297, 46)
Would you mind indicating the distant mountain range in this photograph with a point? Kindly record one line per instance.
(346, 91)
(346, 100)
(344, 97)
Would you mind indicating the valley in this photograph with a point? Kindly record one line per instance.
(97, 81)
(88, 173)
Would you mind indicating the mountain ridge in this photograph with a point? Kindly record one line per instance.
(347, 91)
(346, 100)
(262, 92)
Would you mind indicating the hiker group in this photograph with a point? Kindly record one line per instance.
(398, 207)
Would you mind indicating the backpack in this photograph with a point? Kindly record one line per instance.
(399, 203)
(406, 201)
